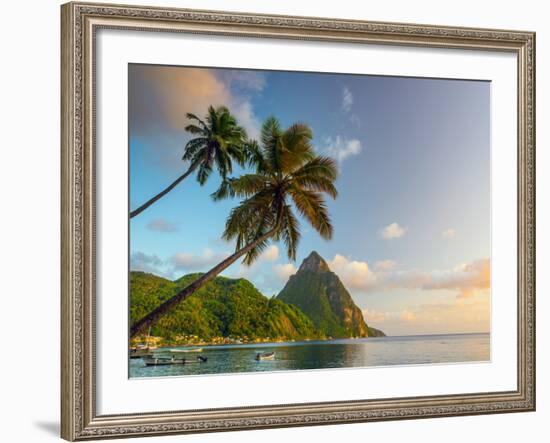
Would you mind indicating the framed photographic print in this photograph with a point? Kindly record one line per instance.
(255, 206)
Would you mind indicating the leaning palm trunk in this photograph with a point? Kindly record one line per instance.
(168, 305)
(161, 194)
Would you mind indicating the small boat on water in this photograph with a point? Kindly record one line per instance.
(134, 355)
(142, 351)
(265, 356)
(159, 361)
(185, 350)
(155, 361)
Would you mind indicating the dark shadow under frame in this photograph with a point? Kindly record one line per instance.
(80, 21)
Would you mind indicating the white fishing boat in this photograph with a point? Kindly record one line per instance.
(186, 350)
(265, 356)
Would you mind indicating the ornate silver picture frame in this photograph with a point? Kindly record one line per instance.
(80, 23)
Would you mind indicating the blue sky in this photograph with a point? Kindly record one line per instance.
(412, 219)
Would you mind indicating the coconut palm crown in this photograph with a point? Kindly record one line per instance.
(288, 174)
(219, 141)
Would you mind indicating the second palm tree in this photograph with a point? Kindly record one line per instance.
(219, 141)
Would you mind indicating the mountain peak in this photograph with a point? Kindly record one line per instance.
(322, 296)
(314, 262)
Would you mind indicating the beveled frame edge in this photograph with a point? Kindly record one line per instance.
(79, 21)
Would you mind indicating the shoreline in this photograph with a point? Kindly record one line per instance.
(222, 343)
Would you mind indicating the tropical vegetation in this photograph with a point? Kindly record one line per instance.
(223, 307)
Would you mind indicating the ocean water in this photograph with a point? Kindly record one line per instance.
(344, 353)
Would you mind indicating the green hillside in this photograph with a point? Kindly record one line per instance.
(222, 308)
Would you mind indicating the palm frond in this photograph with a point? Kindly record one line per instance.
(244, 218)
(270, 129)
(204, 171)
(316, 184)
(319, 166)
(251, 256)
(270, 137)
(295, 147)
(192, 116)
(193, 146)
(313, 208)
(290, 232)
(223, 162)
(248, 184)
(255, 157)
(194, 129)
(237, 153)
(224, 191)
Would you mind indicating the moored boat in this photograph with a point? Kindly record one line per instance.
(141, 351)
(155, 361)
(159, 361)
(134, 355)
(185, 350)
(265, 356)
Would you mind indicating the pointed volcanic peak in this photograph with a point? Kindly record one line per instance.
(314, 263)
(321, 295)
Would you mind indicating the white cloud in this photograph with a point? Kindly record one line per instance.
(384, 265)
(341, 148)
(283, 272)
(372, 316)
(151, 263)
(245, 81)
(449, 233)
(188, 262)
(270, 254)
(393, 231)
(191, 262)
(162, 225)
(354, 274)
(208, 259)
(405, 279)
(347, 99)
(467, 278)
(243, 111)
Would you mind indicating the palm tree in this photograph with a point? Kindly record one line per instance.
(287, 174)
(219, 141)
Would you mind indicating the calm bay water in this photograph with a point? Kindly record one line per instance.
(345, 353)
